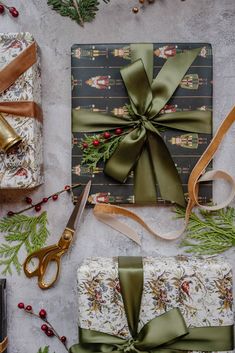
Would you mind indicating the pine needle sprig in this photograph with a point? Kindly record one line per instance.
(21, 231)
(78, 10)
(91, 155)
(44, 350)
(209, 233)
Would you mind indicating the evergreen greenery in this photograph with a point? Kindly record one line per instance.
(44, 350)
(78, 10)
(21, 231)
(92, 155)
(209, 233)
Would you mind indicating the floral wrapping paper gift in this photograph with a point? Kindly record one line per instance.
(22, 167)
(201, 289)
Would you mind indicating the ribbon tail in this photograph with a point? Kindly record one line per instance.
(144, 180)
(166, 173)
(127, 153)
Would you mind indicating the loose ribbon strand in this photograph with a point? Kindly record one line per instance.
(108, 213)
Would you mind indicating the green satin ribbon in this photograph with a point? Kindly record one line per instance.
(167, 333)
(142, 149)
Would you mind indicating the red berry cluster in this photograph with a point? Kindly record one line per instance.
(106, 135)
(47, 327)
(38, 206)
(12, 10)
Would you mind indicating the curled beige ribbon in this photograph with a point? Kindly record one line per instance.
(3, 345)
(108, 213)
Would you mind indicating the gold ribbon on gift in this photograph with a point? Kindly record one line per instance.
(167, 333)
(108, 213)
(3, 345)
(143, 150)
(8, 75)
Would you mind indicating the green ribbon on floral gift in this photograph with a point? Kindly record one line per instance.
(167, 333)
(142, 149)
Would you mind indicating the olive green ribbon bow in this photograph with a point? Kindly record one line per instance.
(167, 333)
(142, 149)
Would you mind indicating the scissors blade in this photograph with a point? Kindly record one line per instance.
(79, 208)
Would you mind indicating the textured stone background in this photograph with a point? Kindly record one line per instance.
(167, 20)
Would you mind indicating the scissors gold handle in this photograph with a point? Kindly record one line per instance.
(45, 257)
(53, 253)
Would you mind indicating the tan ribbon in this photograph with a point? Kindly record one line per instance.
(22, 108)
(12, 71)
(3, 345)
(9, 74)
(107, 213)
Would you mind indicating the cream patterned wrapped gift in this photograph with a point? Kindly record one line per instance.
(20, 99)
(201, 289)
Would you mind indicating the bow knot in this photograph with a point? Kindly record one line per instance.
(129, 346)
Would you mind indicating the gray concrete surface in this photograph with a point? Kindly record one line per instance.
(168, 20)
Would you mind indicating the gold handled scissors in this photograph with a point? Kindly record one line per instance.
(53, 253)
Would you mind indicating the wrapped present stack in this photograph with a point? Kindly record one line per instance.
(20, 99)
(199, 290)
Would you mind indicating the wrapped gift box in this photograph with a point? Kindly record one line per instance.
(3, 310)
(23, 166)
(202, 289)
(98, 86)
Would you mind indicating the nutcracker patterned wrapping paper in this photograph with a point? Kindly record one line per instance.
(201, 289)
(22, 167)
(97, 86)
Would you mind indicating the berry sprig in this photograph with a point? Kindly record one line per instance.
(47, 327)
(38, 206)
(100, 147)
(12, 10)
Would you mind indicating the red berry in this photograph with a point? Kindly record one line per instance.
(118, 131)
(45, 199)
(44, 328)
(96, 143)
(21, 305)
(10, 213)
(55, 197)
(49, 333)
(85, 145)
(107, 135)
(42, 314)
(28, 308)
(28, 200)
(63, 339)
(67, 187)
(2, 8)
(38, 208)
(13, 12)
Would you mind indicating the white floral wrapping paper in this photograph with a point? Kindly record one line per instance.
(202, 289)
(23, 167)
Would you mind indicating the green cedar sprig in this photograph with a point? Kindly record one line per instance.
(92, 155)
(21, 231)
(78, 10)
(209, 233)
(44, 350)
